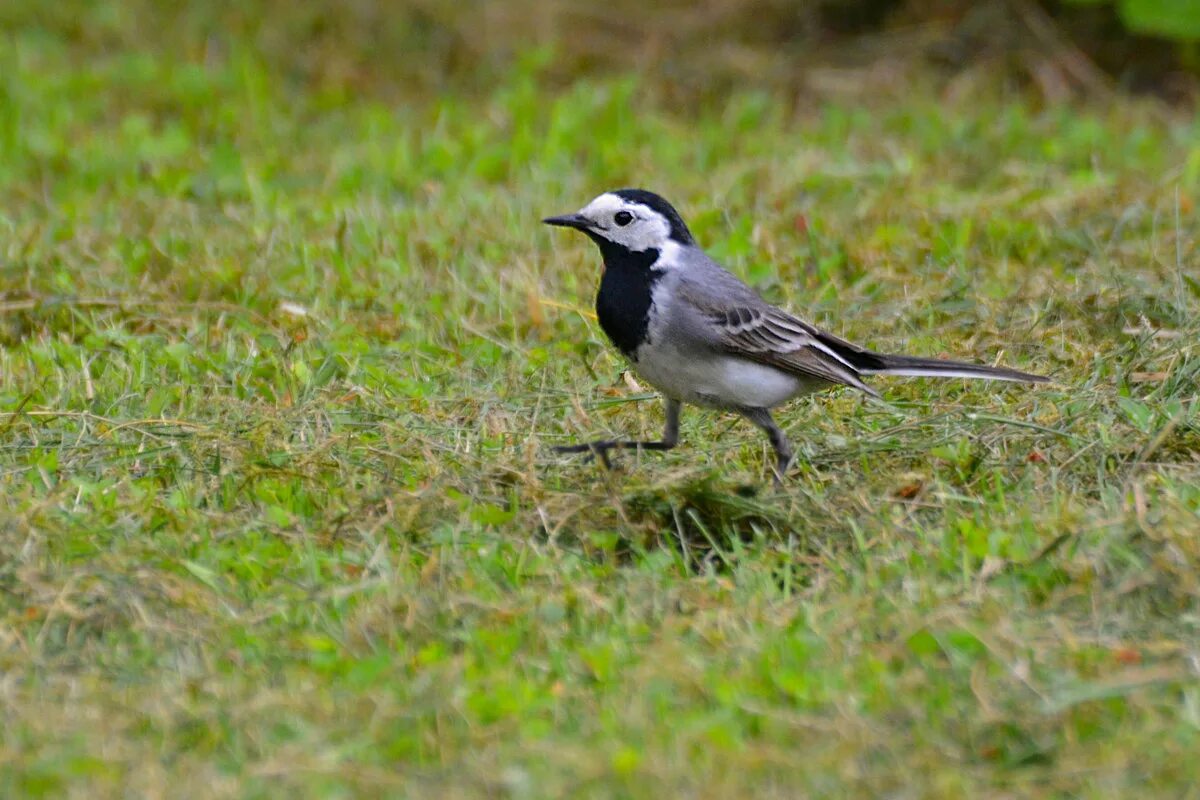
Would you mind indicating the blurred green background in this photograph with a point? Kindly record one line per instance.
(405, 49)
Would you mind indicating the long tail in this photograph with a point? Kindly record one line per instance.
(884, 364)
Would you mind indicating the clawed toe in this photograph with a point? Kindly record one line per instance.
(590, 450)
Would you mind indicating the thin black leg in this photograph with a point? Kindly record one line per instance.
(600, 449)
(779, 442)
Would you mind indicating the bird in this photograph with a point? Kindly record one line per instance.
(702, 337)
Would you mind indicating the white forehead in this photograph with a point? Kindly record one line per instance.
(609, 203)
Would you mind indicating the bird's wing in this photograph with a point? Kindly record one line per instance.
(743, 324)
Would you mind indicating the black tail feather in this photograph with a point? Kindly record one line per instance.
(883, 364)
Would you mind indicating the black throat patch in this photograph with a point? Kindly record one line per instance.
(626, 294)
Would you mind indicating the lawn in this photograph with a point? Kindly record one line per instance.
(282, 358)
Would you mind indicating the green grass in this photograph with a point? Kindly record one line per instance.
(281, 364)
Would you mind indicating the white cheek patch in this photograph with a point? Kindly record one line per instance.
(649, 229)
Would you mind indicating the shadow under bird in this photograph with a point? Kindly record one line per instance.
(700, 335)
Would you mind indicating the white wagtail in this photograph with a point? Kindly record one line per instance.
(699, 335)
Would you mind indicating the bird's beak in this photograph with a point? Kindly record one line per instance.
(577, 221)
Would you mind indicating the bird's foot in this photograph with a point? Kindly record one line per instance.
(780, 468)
(600, 449)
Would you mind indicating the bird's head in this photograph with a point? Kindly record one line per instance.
(634, 220)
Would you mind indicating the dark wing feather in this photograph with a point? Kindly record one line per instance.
(747, 326)
(744, 324)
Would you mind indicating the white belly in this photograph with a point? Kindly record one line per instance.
(717, 381)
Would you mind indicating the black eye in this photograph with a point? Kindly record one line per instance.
(623, 218)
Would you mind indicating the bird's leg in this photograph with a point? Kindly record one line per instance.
(670, 438)
(779, 442)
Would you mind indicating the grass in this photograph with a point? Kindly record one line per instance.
(280, 368)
